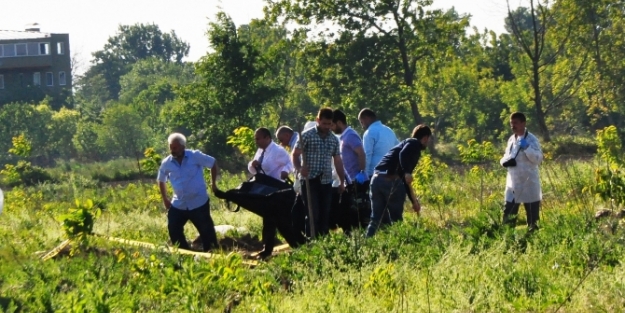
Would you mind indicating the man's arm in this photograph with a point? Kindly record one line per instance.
(340, 171)
(368, 144)
(214, 174)
(408, 159)
(162, 186)
(251, 166)
(284, 163)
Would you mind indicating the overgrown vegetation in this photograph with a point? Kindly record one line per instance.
(456, 256)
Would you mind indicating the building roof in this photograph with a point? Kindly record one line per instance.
(17, 35)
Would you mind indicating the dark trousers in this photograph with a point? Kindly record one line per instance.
(531, 209)
(342, 213)
(201, 219)
(387, 202)
(321, 198)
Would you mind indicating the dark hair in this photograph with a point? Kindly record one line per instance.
(421, 131)
(264, 131)
(367, 113)
(283, 129)
(518, 116)
(325, 113)
(338, 115)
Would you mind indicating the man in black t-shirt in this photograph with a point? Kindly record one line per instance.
(393, 177)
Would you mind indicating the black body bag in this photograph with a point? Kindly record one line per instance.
(262, 185)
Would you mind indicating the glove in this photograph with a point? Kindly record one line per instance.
(523, 143)
(361, 177)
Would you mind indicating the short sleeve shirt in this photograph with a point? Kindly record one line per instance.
(318, 152)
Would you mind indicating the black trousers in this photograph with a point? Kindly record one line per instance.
(531, 209)
(201, 219)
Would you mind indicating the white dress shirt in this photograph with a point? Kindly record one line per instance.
(275, 161)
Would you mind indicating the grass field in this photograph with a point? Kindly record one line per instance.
(455, 257)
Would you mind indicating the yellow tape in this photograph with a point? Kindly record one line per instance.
(148, 245)
(56, 250)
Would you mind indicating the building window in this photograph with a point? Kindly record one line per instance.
(62, 79)
(37, 79)
(1, 51)
(20, 49)
(49, 79)
(44, 48)
(9, 50)
(33, 48)
(60, 48)
(1, 81)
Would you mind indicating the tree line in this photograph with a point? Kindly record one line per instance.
(560, 62)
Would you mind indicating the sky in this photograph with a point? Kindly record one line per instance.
(91, 22)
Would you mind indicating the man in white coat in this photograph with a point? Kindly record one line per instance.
(522, 157)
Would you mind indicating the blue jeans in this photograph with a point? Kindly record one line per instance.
(387, 202)
(321, 198)
(201, 219)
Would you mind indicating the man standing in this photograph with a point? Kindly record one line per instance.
(352, 150)
(393, 176)
(184, 169)
(287, 137)
(271, 158)
(346, 208)
(378, 139)
(275, 162)
(319, 148)
(522, 157)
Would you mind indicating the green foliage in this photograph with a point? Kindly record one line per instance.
(478, 153)
(243, 139)
(21, 146)
(123, 132)
(79, 221)
(609, 184)
(24, 173)
(152, 161)
(131, 43)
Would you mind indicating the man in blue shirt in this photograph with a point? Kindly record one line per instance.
(184, 169)
(393, 177)
(378, 139)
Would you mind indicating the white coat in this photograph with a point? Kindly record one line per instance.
(523, 181)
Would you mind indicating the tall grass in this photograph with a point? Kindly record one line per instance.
(455, 257)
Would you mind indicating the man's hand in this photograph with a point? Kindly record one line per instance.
(361, 177)
(284, 175)
(341, 188)
(213, 186)
(304, 171)
(416, 206)
(255, 164)
(523, 143)
(166, 203)
(408, 178)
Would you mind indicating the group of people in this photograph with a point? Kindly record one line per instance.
(332, 150)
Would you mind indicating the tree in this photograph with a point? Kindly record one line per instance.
(411, 32)
(230, 90)
(543, 54)
(130, 44)
(122, 133)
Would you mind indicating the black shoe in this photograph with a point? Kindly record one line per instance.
(264, 255)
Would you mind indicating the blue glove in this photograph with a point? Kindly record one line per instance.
(523, 143)
(361, 177)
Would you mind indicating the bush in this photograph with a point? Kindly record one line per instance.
(571, 146)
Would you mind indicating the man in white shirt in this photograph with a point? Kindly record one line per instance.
(275, 162)
(271, 158)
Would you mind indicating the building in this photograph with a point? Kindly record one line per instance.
(34, 64)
